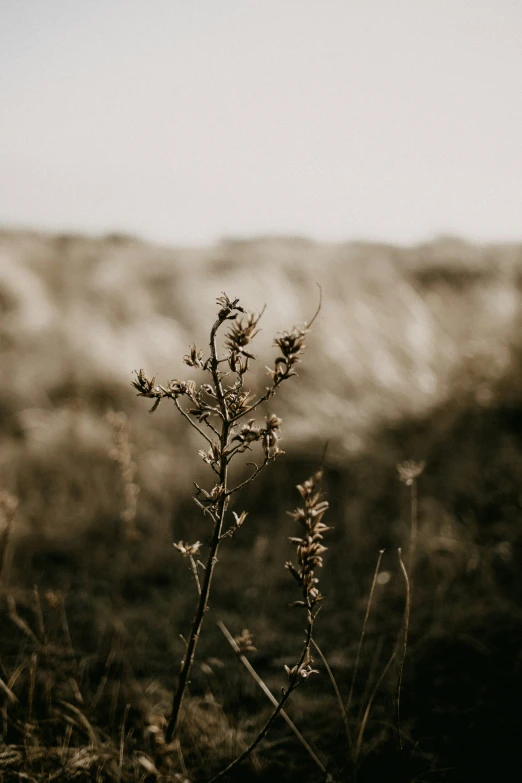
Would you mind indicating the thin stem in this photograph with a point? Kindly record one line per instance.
(191, 421)
(248, 666)
(363, 632)
(240, 448)
(256, 472)
(195, 572)
(211, 426)
(369, 707)
(405, 641)
(219, 517)
(294, 682)
(414, 524)
(264, 398)
(337, 693)
(214, 369)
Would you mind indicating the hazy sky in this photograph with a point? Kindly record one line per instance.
(189, 120)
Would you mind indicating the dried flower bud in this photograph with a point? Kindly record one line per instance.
(241, 518)
(409, 471)
(241, 333)
(309, 547)
(291, 344)
(227, 306)
(188, 550)
(194, 358)
(211, 456)
(245, 642)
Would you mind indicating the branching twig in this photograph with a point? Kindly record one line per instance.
(232, 404)
(191, 421)
(257, 471)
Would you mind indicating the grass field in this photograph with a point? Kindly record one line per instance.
(416, 355)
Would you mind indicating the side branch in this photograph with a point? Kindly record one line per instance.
(191, 421)
(257, 471)
(296, 677)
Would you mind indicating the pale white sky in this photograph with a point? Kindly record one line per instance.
(188, 120)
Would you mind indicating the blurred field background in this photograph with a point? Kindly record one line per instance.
(416, 354)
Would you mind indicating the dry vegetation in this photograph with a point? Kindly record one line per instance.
(415, 356)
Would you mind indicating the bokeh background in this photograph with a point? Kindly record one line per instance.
(153, 156)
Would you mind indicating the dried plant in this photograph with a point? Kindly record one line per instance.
(310, 550)
(216, 409)
(409, 471)
(121, 453)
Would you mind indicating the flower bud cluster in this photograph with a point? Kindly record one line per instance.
(309, 547)
(188, 550)
(194, 358)
(269, 436)
(245, 642)
(240, 335)
(303, 672)
(237, 398)
(409, 471)
(227, 306)
(213, 455)
(291, 344)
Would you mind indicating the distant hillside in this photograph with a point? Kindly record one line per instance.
(400, 330)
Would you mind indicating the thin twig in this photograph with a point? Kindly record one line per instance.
(219, 517)
(337, 693)
(195, 572)
(405, 641)
(293, 682)
(369, 707)
(192, 422)
(363, 632)
(257, 471)
(248, 666)
(414, 525)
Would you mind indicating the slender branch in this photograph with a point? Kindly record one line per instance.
(248, 666)
(218, 518)
(269, 393)
(257, 471)
(239, 449)
(295, 680)
(414, 524)
(214, 369)
(363, 632)
(211, 426)
(369, 707)
(195, 572)
(191, 421)
(318, 306)
(337, 693)
(200, 609)
(407, 609)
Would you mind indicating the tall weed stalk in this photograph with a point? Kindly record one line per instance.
(216, 409)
